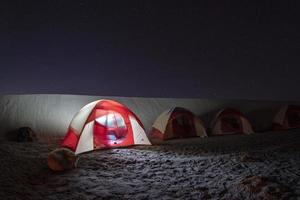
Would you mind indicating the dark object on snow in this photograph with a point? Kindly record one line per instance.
(23, 134)
(255, 187)
(249, 158)
(62, 159)
(26, 134)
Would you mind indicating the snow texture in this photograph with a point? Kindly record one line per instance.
(195, 168)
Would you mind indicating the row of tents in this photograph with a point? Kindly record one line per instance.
(107, 124)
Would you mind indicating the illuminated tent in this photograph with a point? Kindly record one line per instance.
(230, 121)
(177, 123)
(287, 117)
(104, 124)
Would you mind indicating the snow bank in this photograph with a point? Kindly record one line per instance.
(50, 115)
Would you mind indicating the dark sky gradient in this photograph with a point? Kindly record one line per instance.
(206, 49)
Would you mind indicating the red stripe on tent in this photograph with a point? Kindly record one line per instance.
(231, 124)
(70, 141)
(109, 105)
(155, 133)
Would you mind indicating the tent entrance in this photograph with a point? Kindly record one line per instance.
(183, 126)
(293, 119)
(110, 130)
(232, 124)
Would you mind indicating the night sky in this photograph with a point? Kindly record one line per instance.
(199, 49)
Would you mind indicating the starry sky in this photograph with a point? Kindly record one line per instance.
(191, 49)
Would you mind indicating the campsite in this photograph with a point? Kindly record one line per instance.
(106, 153)
(149, 100)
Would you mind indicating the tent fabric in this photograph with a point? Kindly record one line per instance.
(104, 124)
(230, 121)
(177, 123)
(288, 117)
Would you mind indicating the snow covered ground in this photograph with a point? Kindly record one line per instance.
(210, 168)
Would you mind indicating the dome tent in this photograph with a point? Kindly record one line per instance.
(230, 121)
(287, 117)
(177, 123)
(104, 124)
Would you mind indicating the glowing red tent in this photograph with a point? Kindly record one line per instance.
(288, 117)
(230, 121)
(177, 123)
(104, 124)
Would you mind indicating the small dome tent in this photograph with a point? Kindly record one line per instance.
(104, 124)
(177, 123)
(287, 117)
(230, 121)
